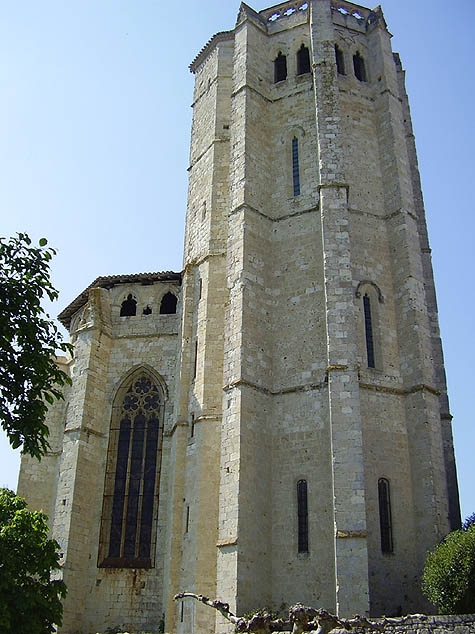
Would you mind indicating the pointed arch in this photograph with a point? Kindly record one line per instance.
(130, 504)
(168, 304)
(128, 308)
(303, 60)
(371, 296)
(280, 67)
(359, 67)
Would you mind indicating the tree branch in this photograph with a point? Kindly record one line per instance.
(301, 619)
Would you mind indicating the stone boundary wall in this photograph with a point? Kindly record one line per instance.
(457, 623)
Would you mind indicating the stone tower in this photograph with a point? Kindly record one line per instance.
(304, 449)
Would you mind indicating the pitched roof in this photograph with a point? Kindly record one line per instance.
(109, 281)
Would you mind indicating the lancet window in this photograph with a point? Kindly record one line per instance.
(368, 324)
(303, 60)
(295, 167)
(385, 521)
(280, 67)
(340, 60)
(302, 516)
(359, 67)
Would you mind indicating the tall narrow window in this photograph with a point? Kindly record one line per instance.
(340, 61)
(385, 522)
(131, 486)
(302, 516)
(295, 166)
(280, 68)
(303, 60)
(359, 67)
(168, 304)
(195, 359)
(368, 325)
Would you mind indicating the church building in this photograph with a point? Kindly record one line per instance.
(271, 424)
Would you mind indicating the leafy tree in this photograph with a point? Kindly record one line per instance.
(448, 580)
(29, 376)
(30, 601)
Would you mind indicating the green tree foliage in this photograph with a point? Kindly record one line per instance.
(448, 580)
(29, 377)
(30, 601)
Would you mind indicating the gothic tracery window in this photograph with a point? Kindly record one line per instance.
(132, 474)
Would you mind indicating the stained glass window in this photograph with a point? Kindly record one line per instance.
(130, 498)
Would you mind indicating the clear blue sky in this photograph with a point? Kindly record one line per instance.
(94, 131)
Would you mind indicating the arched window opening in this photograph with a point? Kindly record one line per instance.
(359, 67)
(295, 166)
(302, 516)
(132, 474)
(168, 304)
(385, 521)
(303, 60)
(340, 60)
(368, 325)
(128, 307)
(147, 310)
(280, 68)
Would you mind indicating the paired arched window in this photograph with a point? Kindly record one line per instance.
(132, 475)
(385, 520)
(302, 516)
(280, 67)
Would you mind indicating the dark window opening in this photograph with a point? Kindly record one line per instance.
(131, 478)
(302, 516)
(280, 68)
(295, 166)
(192, 426)
(187, 521)
(385, 521)
(168, 304)
(340, 60)
(128, 307)
(359, 67)
(195, 359)
(303, 60)
(147, 310)
(200, 288)
(368, 325)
